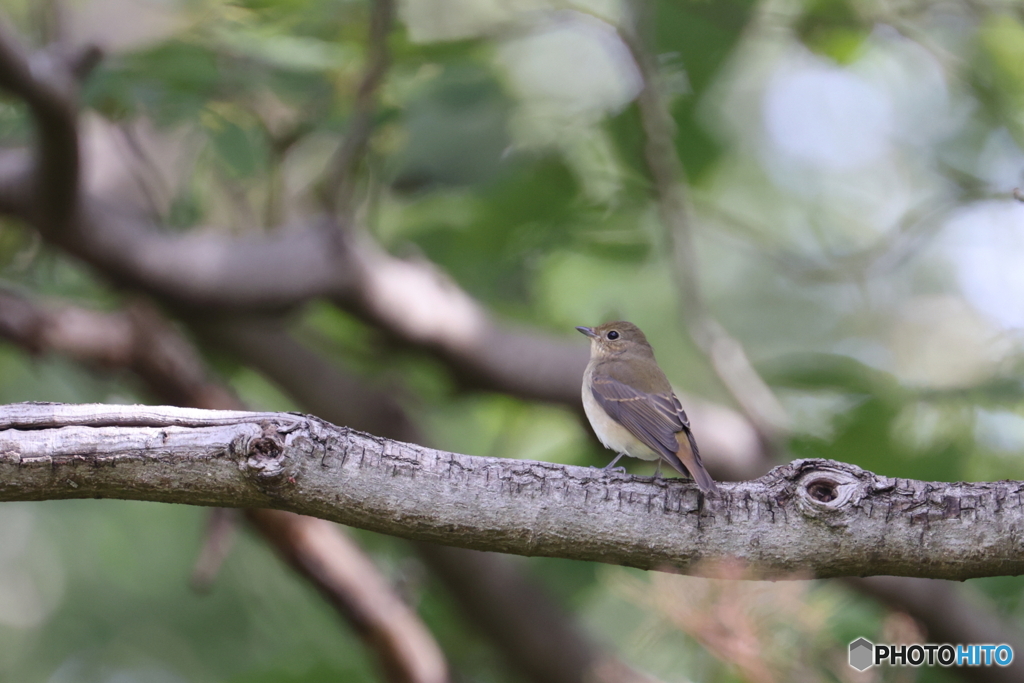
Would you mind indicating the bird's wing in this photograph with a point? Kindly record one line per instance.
(680, 413)
(653, 418)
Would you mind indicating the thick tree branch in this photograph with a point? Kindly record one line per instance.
(818, 516)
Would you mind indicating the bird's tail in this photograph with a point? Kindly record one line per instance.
(688, 459)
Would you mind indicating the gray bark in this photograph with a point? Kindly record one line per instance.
(808, 518)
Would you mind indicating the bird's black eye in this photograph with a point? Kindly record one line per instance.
(613, 335)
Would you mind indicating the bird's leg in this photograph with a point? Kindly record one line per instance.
(610, 467)
(657, 470)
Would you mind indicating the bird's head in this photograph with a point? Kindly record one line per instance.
(615, 338)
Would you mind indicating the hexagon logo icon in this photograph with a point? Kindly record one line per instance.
(862, 653)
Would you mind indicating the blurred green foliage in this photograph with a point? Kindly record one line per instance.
(833, 29)
(1000, 79)
(537, 203)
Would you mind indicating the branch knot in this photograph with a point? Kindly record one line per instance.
(825, 485)
(264, 455)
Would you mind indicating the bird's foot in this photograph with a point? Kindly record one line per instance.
(610, 467)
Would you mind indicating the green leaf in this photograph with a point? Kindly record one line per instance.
(242, 150)
(833, 28)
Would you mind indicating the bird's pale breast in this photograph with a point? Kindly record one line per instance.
(611, 433)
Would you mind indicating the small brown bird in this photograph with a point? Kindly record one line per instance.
(631, 405)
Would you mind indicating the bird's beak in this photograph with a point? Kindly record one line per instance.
(589, 331)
